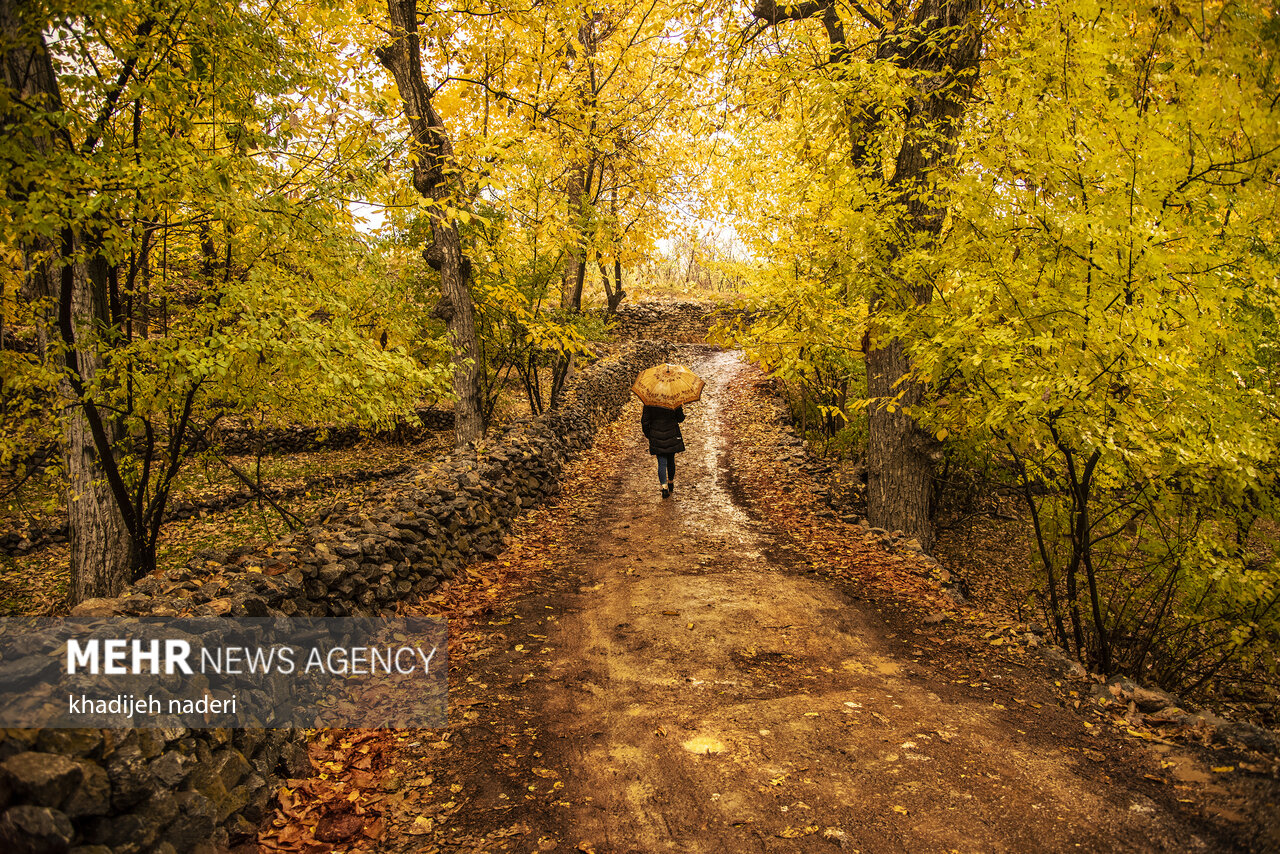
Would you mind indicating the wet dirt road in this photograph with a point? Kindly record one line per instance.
(680, 685)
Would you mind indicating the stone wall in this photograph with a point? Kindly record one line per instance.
(178, 790)
(685, 321)
(239, 439)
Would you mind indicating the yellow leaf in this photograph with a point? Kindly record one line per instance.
(790, 832)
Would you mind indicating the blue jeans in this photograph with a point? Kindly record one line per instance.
(666, 468)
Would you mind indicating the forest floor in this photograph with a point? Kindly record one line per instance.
(733, 669)
(224, 515)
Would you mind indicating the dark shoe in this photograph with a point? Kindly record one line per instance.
(665, 491)
(671, 487)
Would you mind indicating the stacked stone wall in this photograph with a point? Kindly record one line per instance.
(242, 439)
(686, 321)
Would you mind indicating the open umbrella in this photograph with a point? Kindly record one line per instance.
(668, 386)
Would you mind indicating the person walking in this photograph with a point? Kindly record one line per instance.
(661, 426)
(664, 390)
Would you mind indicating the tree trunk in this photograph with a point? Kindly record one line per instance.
(102, 548)
(433, 155)
(575, 258)
(103, 551)
(613, 295)
(460, 315)
(942, 39)
(613, 292)
(900, 457)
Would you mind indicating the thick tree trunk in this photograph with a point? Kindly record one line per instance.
(433, 155)
(900, 457)
(104, 551)
(454, 276)
(940, 38)
(943, 41)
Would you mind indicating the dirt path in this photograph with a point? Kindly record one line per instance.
(677, 682)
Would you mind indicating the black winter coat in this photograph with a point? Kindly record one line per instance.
(662, 428)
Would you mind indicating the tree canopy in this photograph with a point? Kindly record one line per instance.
(1037, 234)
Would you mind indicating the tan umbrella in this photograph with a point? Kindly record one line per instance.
(668, 386)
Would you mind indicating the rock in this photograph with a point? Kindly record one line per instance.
(194, 823)
(251, 606)
(44, 779)
(261, 796)
(169, 769)
(98, 608)
(1121, 687)
(161, 809)
(35, 830)
(231, 766)
(130, 776)
(1150, 699)
(17, 740)
(231, 803)
(1062, 663)
(294, 761)
(1251, 736)
(337, 827)
(93, 795)
(240, 828)
(125, 834)
(150, 743)
(27, 671)
(247, 741)
(70, 742)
